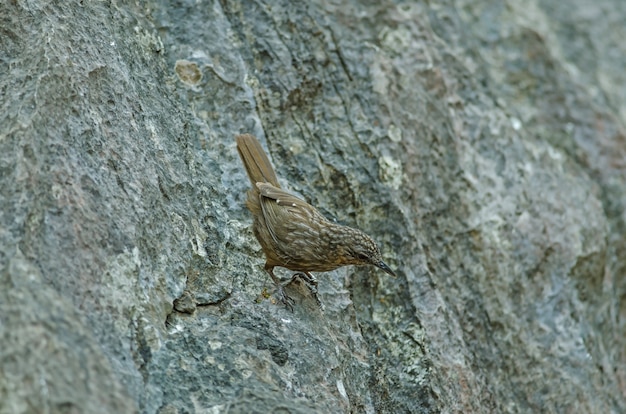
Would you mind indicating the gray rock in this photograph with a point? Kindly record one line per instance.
(481, 144)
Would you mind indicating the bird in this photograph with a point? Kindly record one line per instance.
(292, 233)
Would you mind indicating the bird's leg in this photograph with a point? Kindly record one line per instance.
(311, 282)
(282, 296)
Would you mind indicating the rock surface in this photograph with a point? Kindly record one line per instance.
(482, 144)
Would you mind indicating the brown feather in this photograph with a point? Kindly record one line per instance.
(293, 233)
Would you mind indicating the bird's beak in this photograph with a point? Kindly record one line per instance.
(386, 268)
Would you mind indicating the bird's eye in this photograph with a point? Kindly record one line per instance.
(361, 256)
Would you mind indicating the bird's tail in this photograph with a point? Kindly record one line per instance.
(255, 160)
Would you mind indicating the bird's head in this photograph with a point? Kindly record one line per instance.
(362, 250)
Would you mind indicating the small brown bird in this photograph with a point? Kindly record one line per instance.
(292, 233)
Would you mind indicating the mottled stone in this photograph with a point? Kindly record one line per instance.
(481, 143)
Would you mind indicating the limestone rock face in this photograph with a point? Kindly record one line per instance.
(482, 144)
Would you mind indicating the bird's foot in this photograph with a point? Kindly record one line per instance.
(283, 297)
(311, 283)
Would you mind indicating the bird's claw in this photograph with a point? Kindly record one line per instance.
(284, 298)
(311, 283)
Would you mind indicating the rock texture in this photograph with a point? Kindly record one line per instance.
(481, 143)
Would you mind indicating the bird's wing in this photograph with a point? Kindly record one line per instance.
(288, 214)
(281, 196)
